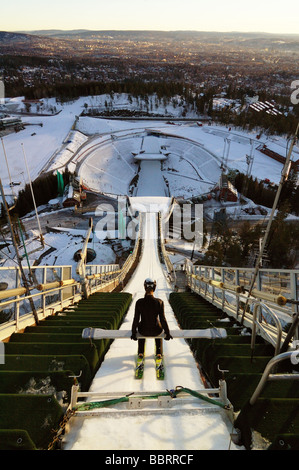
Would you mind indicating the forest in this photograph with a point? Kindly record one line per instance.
(201, 101)
(239, 246)
(68, 79)
(262, 193)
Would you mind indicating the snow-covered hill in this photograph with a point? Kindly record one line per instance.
(61, 135)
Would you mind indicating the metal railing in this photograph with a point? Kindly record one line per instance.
(53, 288)
(273, 304)
(258, 327)
(165, 258)
(275, 296)
(274, 281)
(214, 396)
(267, 376)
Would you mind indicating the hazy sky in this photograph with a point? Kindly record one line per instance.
(209, 15)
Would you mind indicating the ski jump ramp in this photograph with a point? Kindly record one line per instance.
(190, 425)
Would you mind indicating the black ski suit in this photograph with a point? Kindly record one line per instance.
(149, 320)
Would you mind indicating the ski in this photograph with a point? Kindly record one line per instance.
(159, 368)
(139, 368)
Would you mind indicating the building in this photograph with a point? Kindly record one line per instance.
(276, 156)
(71, 197)
(8, 122)
(225, 191)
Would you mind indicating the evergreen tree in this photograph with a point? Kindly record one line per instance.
(280, 240)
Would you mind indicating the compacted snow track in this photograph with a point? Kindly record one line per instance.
(194, 426)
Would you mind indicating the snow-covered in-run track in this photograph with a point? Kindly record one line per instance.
(196, 425)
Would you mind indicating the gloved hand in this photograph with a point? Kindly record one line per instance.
(168, 337)
(133, 337)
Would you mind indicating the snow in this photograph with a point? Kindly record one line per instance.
(195, 152)
(212, 138)
(151, 181)
(103, 159)
(72, 145)
(39, 148)
(66, 244)
(145, 431)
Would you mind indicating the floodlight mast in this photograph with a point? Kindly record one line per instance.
(4, 151)
(19, 259)
(283, 179)
(32, 193)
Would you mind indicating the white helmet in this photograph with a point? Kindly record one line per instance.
(149, 283)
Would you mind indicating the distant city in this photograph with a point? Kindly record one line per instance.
(255, 61)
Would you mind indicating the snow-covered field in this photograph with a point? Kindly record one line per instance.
(102, 152)
(39, 143)
(61, 136)
(195, 154)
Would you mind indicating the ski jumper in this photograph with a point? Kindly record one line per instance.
(149, 320)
